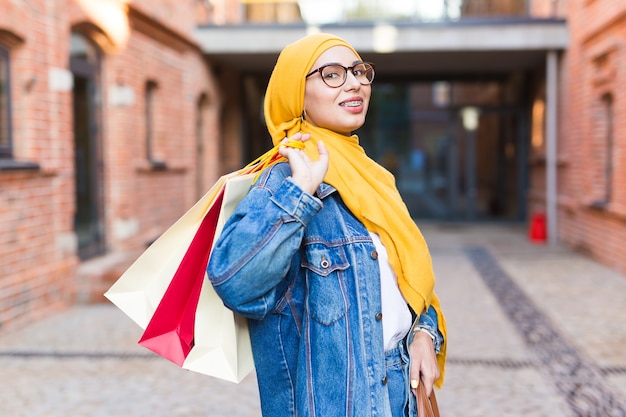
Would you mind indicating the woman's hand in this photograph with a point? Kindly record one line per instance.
(305, 173)
(424, 366)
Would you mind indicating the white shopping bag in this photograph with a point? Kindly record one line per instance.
(217, 329)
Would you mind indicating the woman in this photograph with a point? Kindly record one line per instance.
(323, 258)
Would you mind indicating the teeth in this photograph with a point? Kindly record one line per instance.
(351, 103)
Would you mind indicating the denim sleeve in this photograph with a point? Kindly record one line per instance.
(428, 321)
(254, 253)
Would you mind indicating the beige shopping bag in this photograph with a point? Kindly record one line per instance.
(221, 339)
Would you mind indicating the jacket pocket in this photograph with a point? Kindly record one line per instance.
(327, 300)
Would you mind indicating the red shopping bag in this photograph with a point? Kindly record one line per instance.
(170, 332)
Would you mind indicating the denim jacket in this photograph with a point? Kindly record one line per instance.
(303, 270)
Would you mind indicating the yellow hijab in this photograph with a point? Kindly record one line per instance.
(367, 189)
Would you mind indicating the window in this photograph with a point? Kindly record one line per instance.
(150, 103)
(607, 104)
(5, 102)
(201, 108)
(601, 142)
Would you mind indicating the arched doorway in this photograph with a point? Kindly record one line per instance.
(88, 165)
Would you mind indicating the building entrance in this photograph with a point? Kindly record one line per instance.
(457, 148)
(88, 217)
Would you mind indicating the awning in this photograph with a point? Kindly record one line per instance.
(463, 47)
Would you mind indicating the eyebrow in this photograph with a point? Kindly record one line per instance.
(337, 63)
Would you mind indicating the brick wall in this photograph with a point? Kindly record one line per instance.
(37, 258)
(40, 270)
(593, 201)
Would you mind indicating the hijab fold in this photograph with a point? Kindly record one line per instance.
(367, 189)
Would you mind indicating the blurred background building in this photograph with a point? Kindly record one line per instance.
(117, 115)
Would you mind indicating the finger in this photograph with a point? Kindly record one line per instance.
(294, 155)
(321, 148)
(296, 136)
(323, 154)
(285, 151)
(428, 386)
(416, 367)
(284, 143)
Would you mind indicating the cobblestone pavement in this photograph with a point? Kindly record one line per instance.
(534, 331)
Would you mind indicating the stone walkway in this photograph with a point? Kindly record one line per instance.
(534, 331)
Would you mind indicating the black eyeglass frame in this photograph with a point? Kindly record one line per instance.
(345, 74)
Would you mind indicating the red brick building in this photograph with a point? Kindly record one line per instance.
(108, 132)
(592, 132)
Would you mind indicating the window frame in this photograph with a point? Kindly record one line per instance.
(6, 149)
(605, 142)
(608, 107)
(150, 92)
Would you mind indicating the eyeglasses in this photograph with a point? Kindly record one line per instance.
(335, 75)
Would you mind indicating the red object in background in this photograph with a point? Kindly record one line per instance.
(537, 230)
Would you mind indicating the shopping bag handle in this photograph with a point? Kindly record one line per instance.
(270, 158)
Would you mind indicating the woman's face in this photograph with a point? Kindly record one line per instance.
(340, 109)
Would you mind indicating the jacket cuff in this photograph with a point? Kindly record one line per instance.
(427, 322)
(294, 201)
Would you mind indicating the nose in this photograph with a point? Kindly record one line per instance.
(351, 82)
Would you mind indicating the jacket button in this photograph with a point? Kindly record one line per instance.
(374, 254)
(384, 381)
(379, 316)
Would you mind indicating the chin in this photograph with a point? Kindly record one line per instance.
(347, 128)
(357, 126)
(347, 131)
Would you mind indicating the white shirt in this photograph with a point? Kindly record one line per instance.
(397, 319)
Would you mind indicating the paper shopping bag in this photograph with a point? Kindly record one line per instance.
(221, 339)
(140, 289)
(170, 332)
(166, 291)
(164, 281)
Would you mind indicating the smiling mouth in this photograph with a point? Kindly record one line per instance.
(355, 103)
